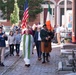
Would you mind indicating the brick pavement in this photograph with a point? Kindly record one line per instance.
(9, 62)
(36, 68)
(14, 67)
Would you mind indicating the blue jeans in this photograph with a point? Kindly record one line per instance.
(11, 49)
(17, 48)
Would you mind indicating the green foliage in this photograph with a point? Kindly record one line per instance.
(8, 7)
(34, 8)
(14, 17)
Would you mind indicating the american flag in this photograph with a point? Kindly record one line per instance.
(25, 15)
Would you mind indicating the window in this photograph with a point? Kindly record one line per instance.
(68, 3)
(46, 2)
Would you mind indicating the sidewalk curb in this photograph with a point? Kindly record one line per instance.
(6, 52)
(10, 66)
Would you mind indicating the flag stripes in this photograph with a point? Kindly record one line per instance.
(25, 15)
(49, 19)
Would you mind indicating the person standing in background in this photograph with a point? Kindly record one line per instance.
(37, 40)
(11, 42)
(34, 28)
(17, 41)
(3, 37)
(3, 28)
(58, 34)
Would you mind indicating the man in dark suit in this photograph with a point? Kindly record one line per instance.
(37, 40)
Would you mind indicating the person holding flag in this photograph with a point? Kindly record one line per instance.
(49, 25)
(27, 40)
(45, 43)
(46, 36)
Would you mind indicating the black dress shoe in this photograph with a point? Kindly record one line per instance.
(1, 64)
(32, 53)
(13, 54)
(43, 62)
(25, 65)
(28, 65)
(47, 60)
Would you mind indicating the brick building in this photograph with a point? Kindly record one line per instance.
(58, 9)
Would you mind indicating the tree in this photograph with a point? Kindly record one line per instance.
(7, 8)
(34, 8)
(14, 17)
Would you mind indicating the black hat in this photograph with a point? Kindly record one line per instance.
(0, 27)
(44, 25)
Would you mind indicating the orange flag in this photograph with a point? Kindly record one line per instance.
(48, 19)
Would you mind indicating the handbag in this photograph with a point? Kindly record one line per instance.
(46, 44)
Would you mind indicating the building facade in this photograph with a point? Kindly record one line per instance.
(59, 8)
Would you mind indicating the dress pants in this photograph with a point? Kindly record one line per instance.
(12, 49)
(2, 51)
(17, 48)
(38, 46)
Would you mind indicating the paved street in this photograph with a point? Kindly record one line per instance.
(15, 65)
